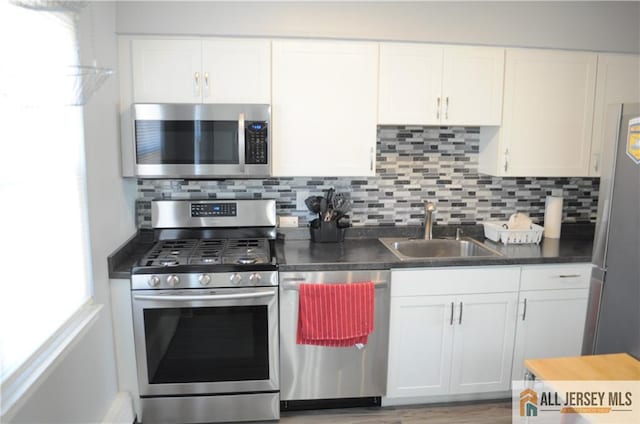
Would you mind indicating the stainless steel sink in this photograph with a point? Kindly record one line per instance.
(416, 249)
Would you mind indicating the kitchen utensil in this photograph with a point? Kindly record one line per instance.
(341, 203)
(313, 203)
(323, 207)
(330, 194)
(343, 222)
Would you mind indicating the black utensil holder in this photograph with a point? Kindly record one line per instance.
(326, 232)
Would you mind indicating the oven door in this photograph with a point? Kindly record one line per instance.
(206, 341)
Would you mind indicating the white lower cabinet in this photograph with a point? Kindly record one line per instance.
(483, 343)
(456, 342)
(420, 346)
(551, 313)
(467, 330)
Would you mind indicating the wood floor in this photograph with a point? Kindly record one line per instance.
(478, 413)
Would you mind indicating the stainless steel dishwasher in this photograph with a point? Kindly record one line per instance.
(332, 373)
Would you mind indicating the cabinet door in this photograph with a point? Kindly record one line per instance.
(618, 82)
(236, 71)
(476, 100)
(410, 84)
(483, 342)
(167, 71)
(324, 96)
(548, 112)
(420, 336)
(550, 324)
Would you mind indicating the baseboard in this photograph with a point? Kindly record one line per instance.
(121, 410)
(301, 405)
(444, 399)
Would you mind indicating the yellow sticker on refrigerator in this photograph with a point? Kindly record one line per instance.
(633, 140)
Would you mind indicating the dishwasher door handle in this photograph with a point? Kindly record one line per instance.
(294, 283)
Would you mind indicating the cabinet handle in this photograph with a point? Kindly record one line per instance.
(438, 108)
(241, 140)
(597, 164)
(206, 82)
(446, 110)
(197, 82)
(451, 319)
(569, 276)
(524, 311)
(460, 317)
(371, 153)
(506, 160)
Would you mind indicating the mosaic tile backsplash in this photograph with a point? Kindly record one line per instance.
(414, 164)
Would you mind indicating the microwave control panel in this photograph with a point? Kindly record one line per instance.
(201, 210)
(256, 142)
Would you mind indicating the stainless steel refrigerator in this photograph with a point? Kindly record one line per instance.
(613, 317)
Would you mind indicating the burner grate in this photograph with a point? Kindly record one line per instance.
(208, 252)
(169, 252)
(247, 251)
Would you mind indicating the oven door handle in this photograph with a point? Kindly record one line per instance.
(178, 298)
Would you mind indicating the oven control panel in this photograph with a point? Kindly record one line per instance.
(201, 280)
(206, 210)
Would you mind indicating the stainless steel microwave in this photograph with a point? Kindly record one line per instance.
(201, 140)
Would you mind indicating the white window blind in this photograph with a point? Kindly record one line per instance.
(44, 247)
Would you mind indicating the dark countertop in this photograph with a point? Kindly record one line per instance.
(121, 261)
(304, 255)
(362, 250)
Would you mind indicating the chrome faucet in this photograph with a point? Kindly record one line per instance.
(429, 208)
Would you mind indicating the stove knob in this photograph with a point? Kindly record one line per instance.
(255, 278)
(154, 281)
(204, 279)
(173, 280)
(235, 278)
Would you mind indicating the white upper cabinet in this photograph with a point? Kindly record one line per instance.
(237, 70)
(166, 71)
(324, 108)
(424, 84)
(618, 82)
(472, 84)
(548, 114)
(195, 71)
(410, 84)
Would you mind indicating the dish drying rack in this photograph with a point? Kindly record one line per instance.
(499, 231)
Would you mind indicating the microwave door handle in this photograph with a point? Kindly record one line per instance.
(179, 298)
(241, 142)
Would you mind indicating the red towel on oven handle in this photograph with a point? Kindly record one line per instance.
(337, 315)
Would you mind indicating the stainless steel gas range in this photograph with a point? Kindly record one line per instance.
(205, 313)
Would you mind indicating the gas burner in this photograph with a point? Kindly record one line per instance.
(245, 260)
(208, 252)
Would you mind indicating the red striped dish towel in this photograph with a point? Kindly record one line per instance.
(335, 314)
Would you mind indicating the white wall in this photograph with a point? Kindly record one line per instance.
(601, 26)
(83, 386)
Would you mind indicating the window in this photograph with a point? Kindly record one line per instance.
(43, 216)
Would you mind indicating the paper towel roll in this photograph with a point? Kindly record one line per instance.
(553, 217)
